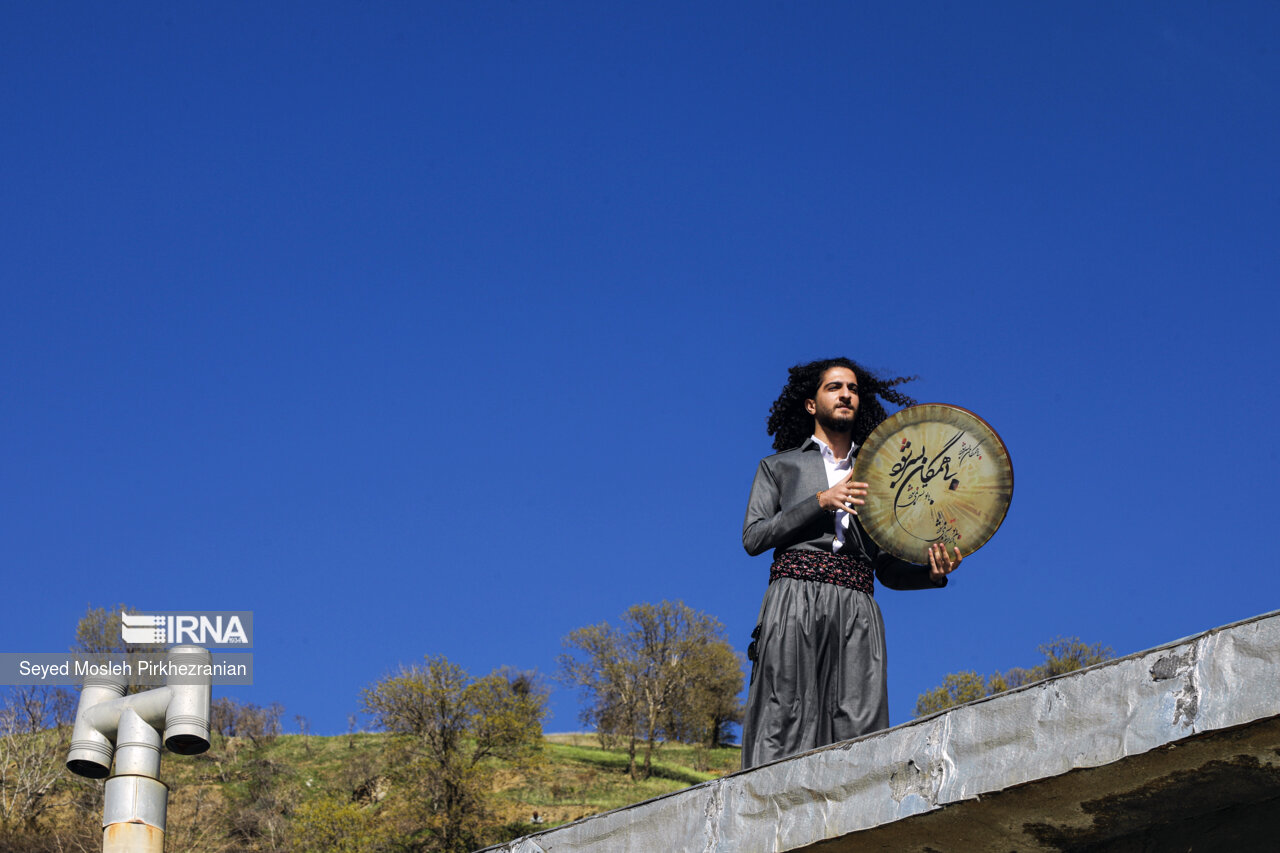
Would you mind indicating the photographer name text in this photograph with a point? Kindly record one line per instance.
(142, 669)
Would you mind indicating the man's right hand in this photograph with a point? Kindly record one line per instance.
(846, 495)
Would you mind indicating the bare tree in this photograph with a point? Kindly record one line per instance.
(304, 727)
(352, 720)
(98, 634)
(660, 674)
(34, 736)
(233, 718)
(35, 733)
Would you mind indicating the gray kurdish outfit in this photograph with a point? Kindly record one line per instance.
(820, 666)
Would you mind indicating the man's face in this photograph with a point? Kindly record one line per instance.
(835, 405)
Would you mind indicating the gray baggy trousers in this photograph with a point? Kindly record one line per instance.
(820, 674)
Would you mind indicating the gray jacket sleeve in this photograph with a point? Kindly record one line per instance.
(769, 524)
(899, 574)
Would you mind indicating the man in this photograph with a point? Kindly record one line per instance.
(819, 673)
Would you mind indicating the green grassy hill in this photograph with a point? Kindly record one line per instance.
(247, 796)
(578, 778)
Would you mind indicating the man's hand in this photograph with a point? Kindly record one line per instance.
(844, 495)
(940, 562)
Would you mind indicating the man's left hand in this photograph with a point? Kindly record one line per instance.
(940, 562)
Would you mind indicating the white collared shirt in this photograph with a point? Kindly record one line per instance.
(837, 470)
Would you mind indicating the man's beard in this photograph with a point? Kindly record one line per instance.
(831, 423)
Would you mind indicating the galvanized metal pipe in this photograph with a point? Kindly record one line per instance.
(128, 727)
(151, 705)
(132, 838)
(137, 747)
(133, 814)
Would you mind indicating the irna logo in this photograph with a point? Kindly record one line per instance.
(202, 629)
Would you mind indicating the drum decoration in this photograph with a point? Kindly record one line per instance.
(936, 473)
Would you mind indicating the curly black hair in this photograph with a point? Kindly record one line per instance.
(790, 422)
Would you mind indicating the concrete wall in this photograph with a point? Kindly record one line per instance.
(1181, 742)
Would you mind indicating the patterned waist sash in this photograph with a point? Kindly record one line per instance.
(840, 569)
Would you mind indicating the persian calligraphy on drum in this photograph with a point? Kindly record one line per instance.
(936, 473)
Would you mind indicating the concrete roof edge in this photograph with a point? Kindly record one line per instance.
(1210, 682)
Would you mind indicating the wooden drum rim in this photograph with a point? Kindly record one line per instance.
(904, 513)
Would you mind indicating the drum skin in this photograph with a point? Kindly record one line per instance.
(936, 473)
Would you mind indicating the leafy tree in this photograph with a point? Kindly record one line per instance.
(329, 825)
(665, 672)
(451, 723)
(956, 689)
(1065, 654)
(708, 705)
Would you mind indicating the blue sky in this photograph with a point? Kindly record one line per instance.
(449, 328)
